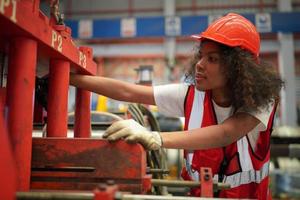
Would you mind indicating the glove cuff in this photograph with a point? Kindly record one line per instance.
(157, 138)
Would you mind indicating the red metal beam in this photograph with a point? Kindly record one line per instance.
(192, 8)
(23, 18)
(111, 11)
(227, 6)
(130, 8)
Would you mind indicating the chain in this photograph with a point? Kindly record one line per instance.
(59, 18)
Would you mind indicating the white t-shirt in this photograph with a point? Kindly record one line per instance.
(170, 102)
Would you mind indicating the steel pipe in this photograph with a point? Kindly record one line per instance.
(158, 171)
(55, 196)
(178, 183)
(91, 196)
(158, 197)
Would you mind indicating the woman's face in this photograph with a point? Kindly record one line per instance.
(208, 69)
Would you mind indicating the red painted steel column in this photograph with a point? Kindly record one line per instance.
(2, 102)
(82, 126)
(20, 86)
(57, 120)
(7, 163)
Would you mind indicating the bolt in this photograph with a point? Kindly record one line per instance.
(102, 187)
(206, 177)
(110, 182)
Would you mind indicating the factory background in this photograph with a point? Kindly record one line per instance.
(125, 35)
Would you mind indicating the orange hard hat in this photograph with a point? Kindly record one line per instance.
(233, 30)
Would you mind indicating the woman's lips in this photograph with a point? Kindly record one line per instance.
(199, 76)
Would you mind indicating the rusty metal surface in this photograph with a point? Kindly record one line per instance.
(81, 164)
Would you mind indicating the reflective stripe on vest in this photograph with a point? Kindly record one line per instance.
(194, 122)
(247, 177)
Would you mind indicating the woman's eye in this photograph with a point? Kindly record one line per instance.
(213, 59)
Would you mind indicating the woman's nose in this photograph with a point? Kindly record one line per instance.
(201, 63)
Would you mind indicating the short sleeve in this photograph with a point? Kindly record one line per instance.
(170, 99)
(263, 115)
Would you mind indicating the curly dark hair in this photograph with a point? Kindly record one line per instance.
(253, 83)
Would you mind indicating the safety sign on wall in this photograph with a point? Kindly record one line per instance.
(128, 27)
(263, 22)
(172, 26)
(85, 29)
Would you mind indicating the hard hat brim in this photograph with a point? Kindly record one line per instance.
(198, 37)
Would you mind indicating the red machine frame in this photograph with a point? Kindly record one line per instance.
(28, 35)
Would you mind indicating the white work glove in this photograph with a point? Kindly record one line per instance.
(133, 132)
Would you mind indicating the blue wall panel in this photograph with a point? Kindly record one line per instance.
(286, 22)
(250, 17)
(106, 28)
(155, 26)
(150, 27)
(73, 24)
(193, 24)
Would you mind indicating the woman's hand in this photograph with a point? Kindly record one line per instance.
(133, 132)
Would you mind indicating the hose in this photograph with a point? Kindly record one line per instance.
(155, 159)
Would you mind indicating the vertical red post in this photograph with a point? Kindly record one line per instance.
(7, 163)
(57, 108)
(20, 86)
(2, 101)
(82, 124)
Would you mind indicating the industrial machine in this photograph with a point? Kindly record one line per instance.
(57, 167)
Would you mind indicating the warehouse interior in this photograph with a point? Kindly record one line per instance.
(51, 132)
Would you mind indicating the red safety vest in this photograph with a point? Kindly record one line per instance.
(226, 163)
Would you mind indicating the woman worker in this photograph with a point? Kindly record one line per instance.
(228, 106)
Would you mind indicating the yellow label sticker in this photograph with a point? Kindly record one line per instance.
(82, 59)
(56, 41)
(6, 3)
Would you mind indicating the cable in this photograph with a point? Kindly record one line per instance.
(155, 159)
